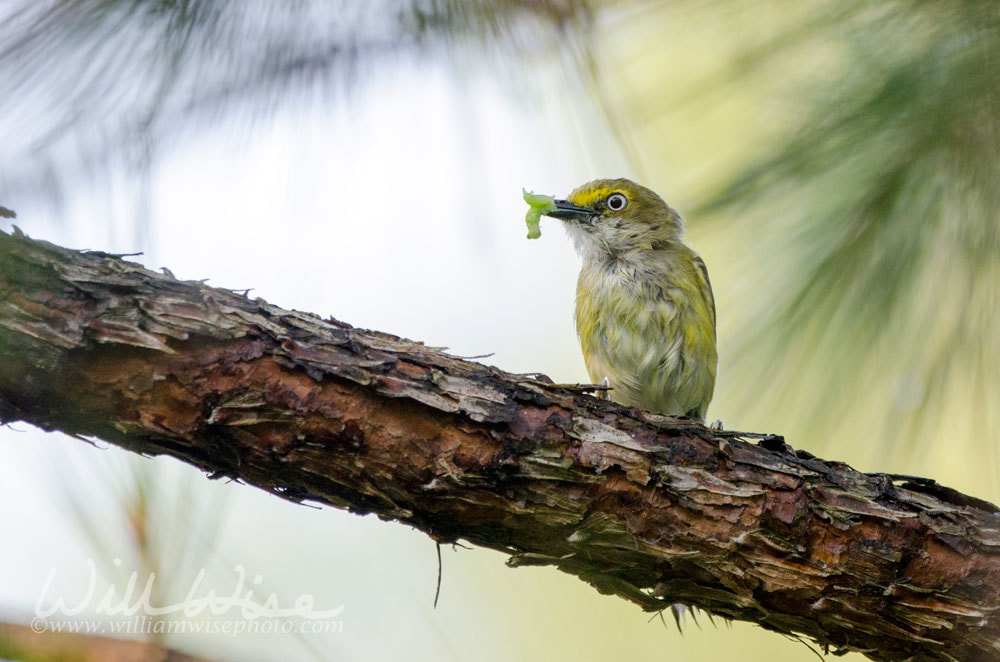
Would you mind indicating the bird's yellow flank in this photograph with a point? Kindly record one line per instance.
(644, 306)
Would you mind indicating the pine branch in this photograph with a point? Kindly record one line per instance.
(654, 509)
(20, 642)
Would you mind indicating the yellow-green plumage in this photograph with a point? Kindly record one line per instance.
(644, 307)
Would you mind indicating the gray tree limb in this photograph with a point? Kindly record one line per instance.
(654, 509)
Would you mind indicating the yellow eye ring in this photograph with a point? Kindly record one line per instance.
(617, 202)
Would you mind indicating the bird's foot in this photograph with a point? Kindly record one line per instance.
(716, 425)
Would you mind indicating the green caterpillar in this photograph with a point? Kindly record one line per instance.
(538, 206)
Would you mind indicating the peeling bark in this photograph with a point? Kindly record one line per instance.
(654, 509)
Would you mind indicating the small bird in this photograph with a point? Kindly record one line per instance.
(645, 312)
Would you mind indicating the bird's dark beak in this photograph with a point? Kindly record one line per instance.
(567, 211)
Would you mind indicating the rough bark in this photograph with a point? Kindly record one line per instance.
(654, 509)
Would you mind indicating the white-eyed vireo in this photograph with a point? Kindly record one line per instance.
(644, 306)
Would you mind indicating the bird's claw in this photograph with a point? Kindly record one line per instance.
(606, 383)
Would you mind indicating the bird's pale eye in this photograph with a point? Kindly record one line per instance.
(617, 202)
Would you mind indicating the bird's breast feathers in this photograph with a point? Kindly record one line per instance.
(645, 324)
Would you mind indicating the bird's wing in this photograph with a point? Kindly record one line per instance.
(705, 285)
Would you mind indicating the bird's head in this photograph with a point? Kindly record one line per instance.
(616, 216)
